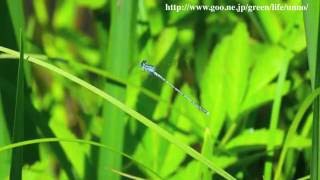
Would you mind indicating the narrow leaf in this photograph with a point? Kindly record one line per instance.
(18, 122)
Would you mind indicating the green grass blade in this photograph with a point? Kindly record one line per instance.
(119, 57)
(206, 150)
(105, 74)
(128, 176)
(312, 22)
(5, 159)
(147, 122)
(304, 178)
(17, 16)
(275, 119)
(81, 141)
(18, 123)
(11, 22)
(293, 127)
(100, 72)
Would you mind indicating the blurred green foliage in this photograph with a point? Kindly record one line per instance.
(229, 62)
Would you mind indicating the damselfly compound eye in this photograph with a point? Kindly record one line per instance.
(142, 63)
(147, 67)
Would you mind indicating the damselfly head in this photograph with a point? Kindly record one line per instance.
(146, 67)
(143, 63)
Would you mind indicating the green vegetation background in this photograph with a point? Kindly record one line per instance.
(250, 70)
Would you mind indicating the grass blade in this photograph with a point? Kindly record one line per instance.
(119, 57)
(312, 21)
(293, 127)
(128, 176)
(206, 151)
(142, 119)
(275, 119)
(107, 75)
(5, 159)
(81, 141)
(17, 17)
(11, 19)
(304, 178)
(18, 123)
